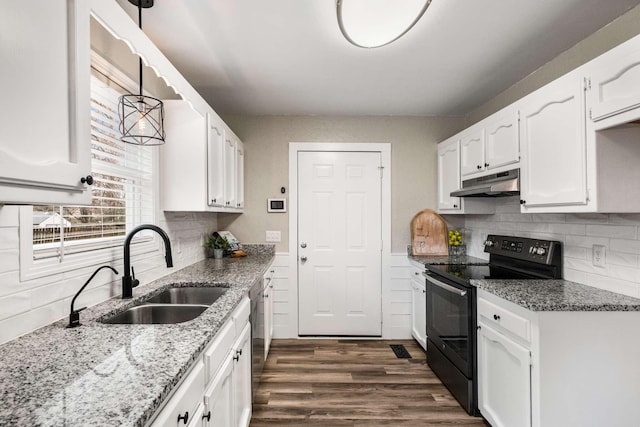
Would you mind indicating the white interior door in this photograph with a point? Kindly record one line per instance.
(339, 243)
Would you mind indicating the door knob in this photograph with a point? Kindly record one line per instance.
(303, 258)
(303, 245)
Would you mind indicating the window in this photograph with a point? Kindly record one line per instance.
(123, 188)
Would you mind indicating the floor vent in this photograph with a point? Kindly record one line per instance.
(400, 351)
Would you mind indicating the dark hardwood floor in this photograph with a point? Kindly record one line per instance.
(352, 383)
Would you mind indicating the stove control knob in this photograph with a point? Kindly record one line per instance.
(532, 250)
(541, 251)
(489, 243)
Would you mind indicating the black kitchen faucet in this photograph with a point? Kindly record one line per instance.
(129, 280)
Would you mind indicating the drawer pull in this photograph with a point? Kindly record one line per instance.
(184, 418)
(207, 416)
(496, 317)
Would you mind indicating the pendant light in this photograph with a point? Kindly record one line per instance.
(376, 23)
(141, 117)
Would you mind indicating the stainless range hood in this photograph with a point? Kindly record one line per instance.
(501, 184)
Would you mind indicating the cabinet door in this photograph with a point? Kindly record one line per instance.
(45, 142)
(472, 152)
(239, 174)
(230, 171)
(184, 402)
(448, 174)
(215, 162)
(218, 399)
(504, 380)
(418, 312)
(268, 311)
(502, 141)
(183, 188)
(615, 82)
(242, 379)
(553, 142)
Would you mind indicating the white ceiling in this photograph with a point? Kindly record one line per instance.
(289, 57)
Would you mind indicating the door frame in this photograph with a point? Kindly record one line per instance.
(384, 148)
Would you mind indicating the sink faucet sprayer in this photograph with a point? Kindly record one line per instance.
(129, 280)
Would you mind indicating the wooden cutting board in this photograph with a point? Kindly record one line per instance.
(429, 234)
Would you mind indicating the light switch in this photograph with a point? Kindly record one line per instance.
(273, 236)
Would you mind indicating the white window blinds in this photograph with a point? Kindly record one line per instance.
(122, 191)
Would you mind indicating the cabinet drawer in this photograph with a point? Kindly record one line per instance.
(215, 354)
(185, 400)
(241, 315)
(500, 317)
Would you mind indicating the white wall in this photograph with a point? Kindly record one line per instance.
(619, 233)
(620, 30)
(266, 138)
(28, 305)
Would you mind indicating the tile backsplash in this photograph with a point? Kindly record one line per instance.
(618, 233)
(28, 305)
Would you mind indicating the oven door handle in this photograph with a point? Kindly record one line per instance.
(444, 286)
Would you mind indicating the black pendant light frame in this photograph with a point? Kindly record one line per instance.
(134, 109)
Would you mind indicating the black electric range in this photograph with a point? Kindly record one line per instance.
(451, 306)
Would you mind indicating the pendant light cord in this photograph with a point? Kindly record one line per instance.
(139, 57)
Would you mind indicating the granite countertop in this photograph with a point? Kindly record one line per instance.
(557, 295)
(442, 260)
(117, 375)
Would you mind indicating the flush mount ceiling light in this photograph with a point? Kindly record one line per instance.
(141, 117)
(376, 23)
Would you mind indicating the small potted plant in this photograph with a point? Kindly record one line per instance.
(217, 244)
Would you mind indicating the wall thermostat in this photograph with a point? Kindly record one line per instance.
(276, 205)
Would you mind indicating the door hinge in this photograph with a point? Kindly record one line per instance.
(590, 117)
(587, 83)
(381, 169)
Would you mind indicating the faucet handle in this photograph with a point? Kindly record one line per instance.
(134, 282)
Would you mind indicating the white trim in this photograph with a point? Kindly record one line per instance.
(33, 269)
(384, 148)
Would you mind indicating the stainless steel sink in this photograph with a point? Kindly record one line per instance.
(189, 295)
(158, 314)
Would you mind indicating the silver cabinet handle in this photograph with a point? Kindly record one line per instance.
(303, 258)
(303, 245)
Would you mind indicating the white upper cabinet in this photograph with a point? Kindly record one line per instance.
(45, 142)
(183, 158)
(472, 151)
(552, 134)
(490, 146)
(448, 174)
(502, 141)
(215, 161)
(201, 167)
(239, 174)
(614, 85)
(230, 170)
(449, 180)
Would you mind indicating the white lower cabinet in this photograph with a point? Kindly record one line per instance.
(218, 398)
(268, 309)
(418, 305)
(242, 379)
(556, 368)
(180, 408)
(504, 379)
(217, 390)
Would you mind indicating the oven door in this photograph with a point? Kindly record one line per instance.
(450, 321)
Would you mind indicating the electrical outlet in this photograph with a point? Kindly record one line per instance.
(599, 256)
(273, 236)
